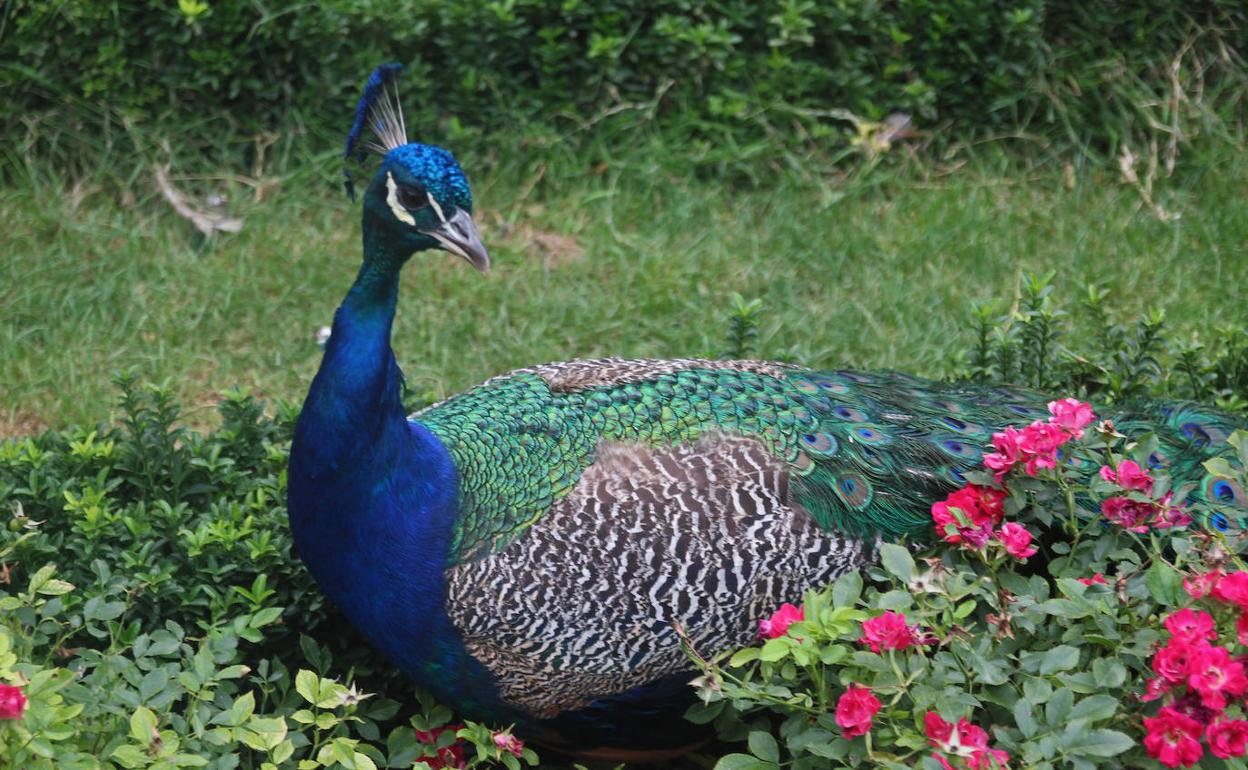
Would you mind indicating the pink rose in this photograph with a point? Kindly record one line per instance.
(451, 756)
(778, 624)
(1128, 476)
(1008, 453)
(939, 732)
(1071, 414)
(1215, 676)
(12, 702)
(1232, 589)
(1016, 539)
(1200, 586)
(888, 632)
(1188, 625)
(855, 710)
(979, 760)
(1130, 514)
(1173, 738)
(505, 741)
(1228, 738)
(1039, 443)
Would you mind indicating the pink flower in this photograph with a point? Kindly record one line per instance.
(451, 756)
(979, 760)
(1128, 476)
(1241, 628)
(889, 632)
(1155, 688)
(1214, 675)
(12, 702)
(971, 734)
(1071, 414)
(1008, 453)
(939, 732)
(854, 711)
(965, 739)
(1096, 580)
(977, 538)
(1170, 515)
(1131, 515)
(1232, 589)
(505, 741)
(1016, 539)
(1039, 443)
(1174, 661)
(1189, 626)
(1173, 738)
(778, 624)
(1228, 738)
(968, 515)
(1200, 586)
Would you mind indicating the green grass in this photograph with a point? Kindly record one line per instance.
(874, 272)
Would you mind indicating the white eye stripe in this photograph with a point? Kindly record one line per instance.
(437, 209)
(392, 200)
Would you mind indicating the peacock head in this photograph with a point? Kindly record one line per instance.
(419, 198)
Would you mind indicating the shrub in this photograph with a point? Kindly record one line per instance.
(1113, 641)
(152, 615)
(1091, 74)
(1030, 341)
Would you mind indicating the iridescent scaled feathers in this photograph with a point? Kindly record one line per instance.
(868, 453)
(376, 111)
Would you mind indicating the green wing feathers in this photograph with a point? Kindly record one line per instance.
(868, 453)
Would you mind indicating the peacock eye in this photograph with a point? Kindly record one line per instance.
(413, 198)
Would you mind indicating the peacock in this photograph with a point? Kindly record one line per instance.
(527, 549)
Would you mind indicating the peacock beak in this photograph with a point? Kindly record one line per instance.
(458, 235)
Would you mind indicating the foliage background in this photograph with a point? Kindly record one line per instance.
(1088, 74)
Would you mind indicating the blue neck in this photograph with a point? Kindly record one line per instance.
(372, 498)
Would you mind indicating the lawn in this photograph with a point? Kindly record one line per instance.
(623, 256)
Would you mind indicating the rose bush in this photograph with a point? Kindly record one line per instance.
(1070, 612)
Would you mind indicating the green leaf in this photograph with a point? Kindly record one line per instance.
(1058, 707)
(847, 589)
(763, 745)
(1024, 717)
(1108, 673)
(1061, 658)
(743, 656)
(743, 762)
(1218, 466)
(242, 709)
(894, 600)
(775, 649)
(55, 588)
(306, 685)
(1094, 708)
(130, 756)
(41, 576)
(898, 561)
(1164, 583)
(1100, 743)
(142, 725)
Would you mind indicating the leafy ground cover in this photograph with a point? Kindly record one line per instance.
(624, 252)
